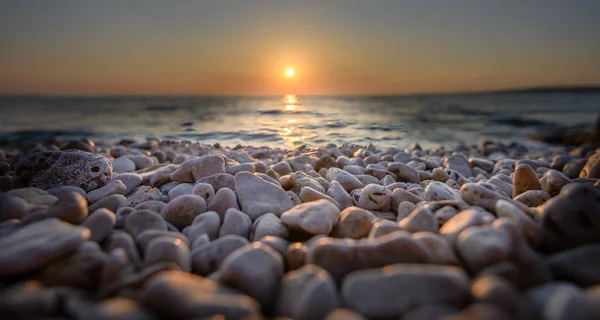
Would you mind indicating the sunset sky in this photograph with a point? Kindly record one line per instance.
(244, 47)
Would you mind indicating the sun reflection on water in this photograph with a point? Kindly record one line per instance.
(291, 130)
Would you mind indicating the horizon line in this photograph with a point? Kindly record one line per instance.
(592, 88)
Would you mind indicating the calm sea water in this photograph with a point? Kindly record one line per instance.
(431, 120)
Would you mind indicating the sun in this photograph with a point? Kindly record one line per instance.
(290, 72)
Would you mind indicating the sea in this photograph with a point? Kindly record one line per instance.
(291, 120)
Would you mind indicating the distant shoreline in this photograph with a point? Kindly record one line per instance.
(586, 89)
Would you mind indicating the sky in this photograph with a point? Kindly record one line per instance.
(243, 47)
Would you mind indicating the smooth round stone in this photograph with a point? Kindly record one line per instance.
(400, 195)
(180, 190)
(348, 181)
(194, 169)
(405, 208)
(558, 300)
(533, 198)
(507, 188)
(205, 191)
(525, 179)
(383, 227)
(49, 169)
(458, 164)
(478, 195)
(420, 219)
(58, 190)
(354, 169)
(343, 256)
(462, 221)
(298, 163)
(142, 220)
(440, 191)
(124, 255)
(111, 203)
(316, 217)
(530, 229)
(497, 291)
(404, 172)
(182, 210)
(167, 187)
(160, 176)
(156, 206)
(205, 223)
(33, 196)
(37, 244)
(484, 164)
(144, 238)
(553, 181)
(235, 222)
(257, 197)
(367, 179)
(443, 251)
(592, 167)
(122, 165)
(307, 293)
(482, 246)
(375, 197)
(207, 258)
(183, 295)
(168, 249)
(261, 281)
(121, 216)
(354, 223)
(579, 265)
(115, 187)
(232, 170)
(268, 225)
(562, 217)
(574, 167)
(326, 162)
(71, 207)
(299, 180)
(341, 196)
(309, 194)
(223, 200)
(411, 285)
(100, 223)
(295, 255)
(12, 207)
(143, 161)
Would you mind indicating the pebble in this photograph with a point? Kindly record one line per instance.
(309, 194)
(533, 198)
(307, 293)
(592, 167)
(168, 249)
(348, 181)
(382, 227)
(37, 244)
(194, 169)
(183, 295)
(343, 256)
(459, 164)
(270, 199)
(58, 190)
(223, 200)
(315, 217)
(235, 222)
(130, 180)
(207, 258)
(300, 180)
(420, 219)
(339, 194)
(142, 194)
(71, 207)
(182, 210)
(375, 197)
(112, 203)
(571, 218)
(100, 223)
(115, 187)
(553, 181)
(404, 172)
(262, 280)
(123, 165)
(400, 195)
(159, 177)
(462, 221)
(154, 205)
(354, 223)
(142, 220)
(579, 265)
(525, 179)
(268, 225)
(33, 196)
(144, 238)
(49, 169)
(482, 246)
(443, 251)
(411, 285)
(440, 191)
(180, 190)
(205, 223)
(205, 191)
(574, 167)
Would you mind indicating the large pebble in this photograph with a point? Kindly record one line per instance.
(142, 194)
(100, 223)
(458, 164)
(412, 285)
(341, 196)
(525, 179)
(142, 220)
(257, 197)
(122, 165)
(482, 246)
(404, 172)
(315, 217)
(572, 218)
(219, 180)
(348, 181)
(111, 203)
(533, 198)
(343, 256)
(235, 222)
(182, 210)
(49, 169)
(299, 180)
(182, 295)
(261, 281)
(71, 207)
(36, 244)
(553, 181)
(592, 167)
(354, 223)
(307, 293)
(130, 180)
(180, 189)
(440, 191)
(115, 187)
(223, 200)
(579, 265)
(208, 257)
(268, 225)
(462, 221)
(205, 223)
(168, 249)
(420, 219)
(195, 169)
(375, 197)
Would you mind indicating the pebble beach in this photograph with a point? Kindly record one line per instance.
(184, 230)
